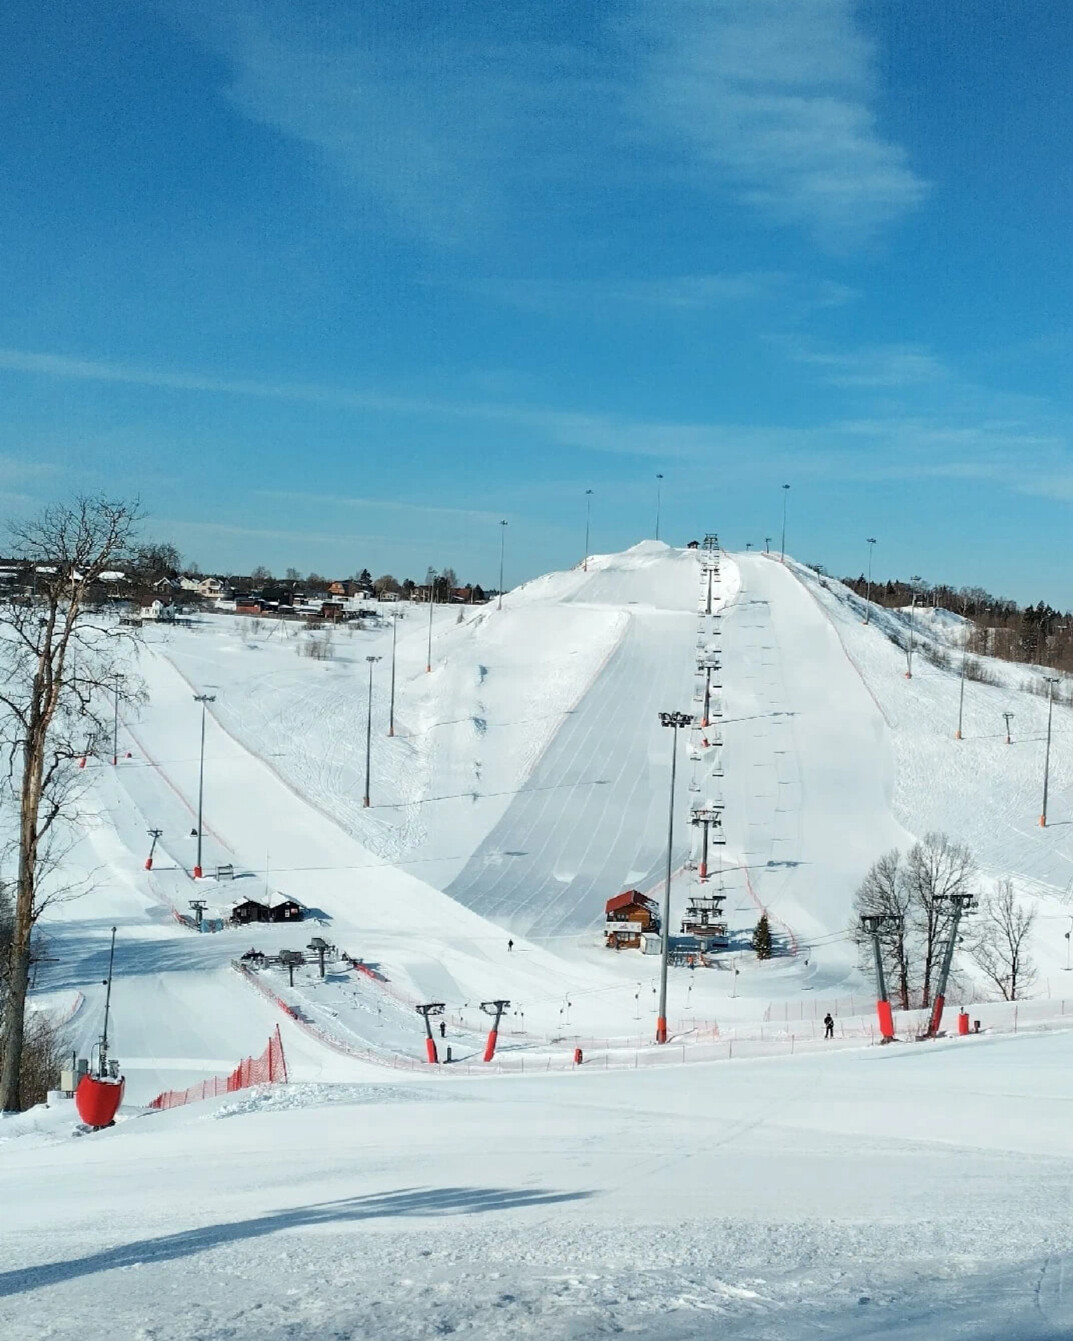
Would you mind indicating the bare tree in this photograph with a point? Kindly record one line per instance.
(934, 869)
(912, 895)
(61, 663)
(999, 945)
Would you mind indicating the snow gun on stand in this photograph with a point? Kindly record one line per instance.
(100, 1093)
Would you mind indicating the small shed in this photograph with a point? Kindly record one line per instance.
(286, 910)
(627, 917)
(250, 910)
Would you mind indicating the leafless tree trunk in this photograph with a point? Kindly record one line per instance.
(935, 869)
(58, 661)
(999, 945)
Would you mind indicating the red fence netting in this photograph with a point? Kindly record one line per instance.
(268, 1069)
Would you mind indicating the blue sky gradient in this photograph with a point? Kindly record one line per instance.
(341, 286)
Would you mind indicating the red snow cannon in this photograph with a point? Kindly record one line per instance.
(98, 1098)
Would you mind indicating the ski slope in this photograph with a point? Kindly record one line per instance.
(915, 1194)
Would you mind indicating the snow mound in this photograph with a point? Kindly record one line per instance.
(280, 1098)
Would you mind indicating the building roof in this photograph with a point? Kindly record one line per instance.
(631, 898)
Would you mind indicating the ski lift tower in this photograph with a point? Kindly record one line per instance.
(708, 664)
(708, 818)
(425, 1010)
(872, 924)
(710, 565)
(961, 904)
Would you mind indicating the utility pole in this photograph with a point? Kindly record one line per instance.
(502, 550)
(115, 723)
(369, 729)
(674, 720)
(870, 542)
(961, 693)
(1007, 717)
(588, 515)
(962, 903)
(785, 495)
(707, 817)
(204, 700)
(391, 708)
(872, 925)
(1052, 680)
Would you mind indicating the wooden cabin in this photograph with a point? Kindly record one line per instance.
(286, 910)
(628, 917)
(250, 910)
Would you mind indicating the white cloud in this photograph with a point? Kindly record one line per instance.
(777, 97)
(877, 367)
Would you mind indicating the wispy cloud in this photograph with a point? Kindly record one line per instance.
(505, 113)
(674, 295)
(778, 98)
(966, 431)
(380, 504)
(882, 367)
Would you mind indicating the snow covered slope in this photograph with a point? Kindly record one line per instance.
(916, 1194)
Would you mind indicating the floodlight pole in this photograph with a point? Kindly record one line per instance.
(204, 700)
(369, 729)
(1007, 717)
(115, 724)
(674, 720)
(870, 542)
(1051, 682)
(431, 605)
(659, 499)
(588, 516)
(912, 628)
(391, 708)
(782, 548)
(502, 550)
(961, 693)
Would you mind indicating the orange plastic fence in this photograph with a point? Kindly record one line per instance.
(268, 1069)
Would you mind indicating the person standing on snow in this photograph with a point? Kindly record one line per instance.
(510, 945)
(828, 1025)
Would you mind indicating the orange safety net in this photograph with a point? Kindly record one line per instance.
(268, 1069)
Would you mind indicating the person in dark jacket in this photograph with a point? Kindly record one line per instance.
(828, 1025)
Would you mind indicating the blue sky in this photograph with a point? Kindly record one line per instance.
(340, 285)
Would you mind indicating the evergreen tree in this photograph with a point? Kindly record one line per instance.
(762, 938)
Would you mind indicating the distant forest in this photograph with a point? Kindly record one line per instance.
(1036, 635)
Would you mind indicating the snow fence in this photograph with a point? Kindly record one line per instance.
(268, 1069)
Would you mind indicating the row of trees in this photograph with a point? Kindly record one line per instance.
(1035, 634)
(912, 893)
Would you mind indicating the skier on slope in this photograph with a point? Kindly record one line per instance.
(828, 1025)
